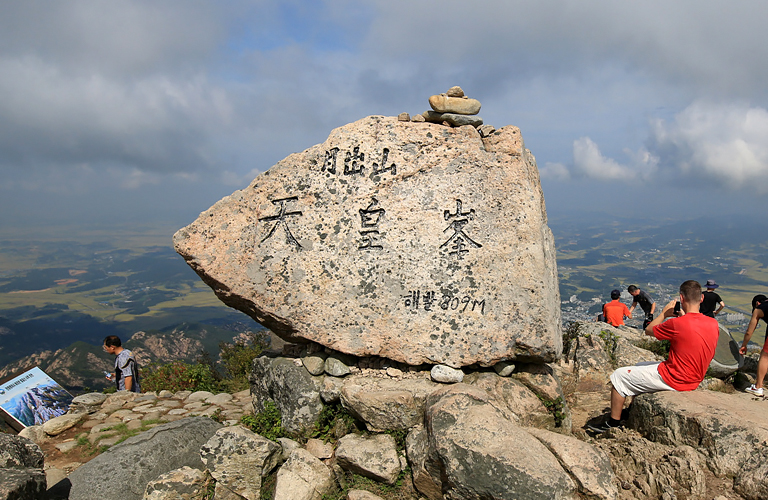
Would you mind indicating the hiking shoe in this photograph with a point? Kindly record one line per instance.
(753, 390)
(604, 427)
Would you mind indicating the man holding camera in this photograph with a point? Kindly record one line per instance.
(693, 339)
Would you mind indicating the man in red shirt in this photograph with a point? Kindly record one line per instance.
(693, 339)
(615, 311)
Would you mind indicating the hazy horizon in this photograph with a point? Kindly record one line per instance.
(133, 110)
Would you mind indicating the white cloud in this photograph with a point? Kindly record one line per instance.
(589, 162)
(726, 144)
(555, 171)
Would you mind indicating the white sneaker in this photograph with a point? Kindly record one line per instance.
(755, 391)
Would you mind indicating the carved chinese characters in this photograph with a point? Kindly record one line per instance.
(414, 242)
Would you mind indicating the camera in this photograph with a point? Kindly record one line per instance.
(677, 307)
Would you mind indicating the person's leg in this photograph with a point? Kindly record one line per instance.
(762, 369)
(617, 404)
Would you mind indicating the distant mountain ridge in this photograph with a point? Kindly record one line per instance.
(81, 365)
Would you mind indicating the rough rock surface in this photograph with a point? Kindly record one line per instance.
(468, 435)
(373, 456)
(723, 427)
(141, 459)
(392, 239)
(462, 106)
(453, 119)
(184, 483)
(386, 404)
(21, 469)
(512, 395)
(590, 467)
(294, 391)
(302, 477)
(651, 470)
(59, 424)
(238, 459)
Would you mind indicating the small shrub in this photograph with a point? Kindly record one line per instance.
(570, 333)
(658, 347)
(237, 358)
(178, 376)
(217, 416)
(556, 407)
(333, 422)
(610, 340)
(399, 435)
(267, 423)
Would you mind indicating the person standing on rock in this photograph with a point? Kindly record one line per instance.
(126, 376)
(759, 311)
(711, 300)
(693, 340)
(647, 304)
(614, 311)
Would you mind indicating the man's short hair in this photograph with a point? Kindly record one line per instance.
(615, 294)
(758, 298)
(632, 289)
(691, 291)
(112, 341)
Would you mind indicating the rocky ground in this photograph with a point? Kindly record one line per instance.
(704, 444)
(70, 442)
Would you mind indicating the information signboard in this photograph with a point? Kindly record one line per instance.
(32, 398)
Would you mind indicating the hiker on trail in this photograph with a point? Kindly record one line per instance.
(126, 376)
(614, 311)
(693, 339)
(647, 304)
(759, 311)
(711, 300)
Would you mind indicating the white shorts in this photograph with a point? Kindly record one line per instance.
(638, 379)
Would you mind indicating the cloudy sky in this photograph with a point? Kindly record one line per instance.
(152, 110)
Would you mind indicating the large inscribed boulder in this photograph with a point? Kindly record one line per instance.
(411, 241)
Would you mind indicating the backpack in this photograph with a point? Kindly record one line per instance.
(134, 374)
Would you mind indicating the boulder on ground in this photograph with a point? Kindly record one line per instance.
(21, 469)
(303, 477)
(290, 387)
(392, 239)
(184, 483)
(374, 457)
(727, 358)
(123, 471)
(386, 404)
(239, 458)
(725, 428)
(587, 465)
(468, 435)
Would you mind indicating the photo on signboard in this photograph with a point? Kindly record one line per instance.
(32, 398)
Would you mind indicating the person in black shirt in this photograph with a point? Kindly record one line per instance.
(646, 303)
(711, 300)
(759, 311)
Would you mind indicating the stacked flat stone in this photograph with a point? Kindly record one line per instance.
(454, 108)
(134, 410)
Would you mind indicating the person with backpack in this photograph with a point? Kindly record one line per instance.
(759, 311)
(126, 374)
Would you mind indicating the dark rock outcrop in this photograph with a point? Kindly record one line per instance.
(21, 469)
(123, 471)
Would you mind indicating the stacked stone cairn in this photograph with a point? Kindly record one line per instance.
(452, 109)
